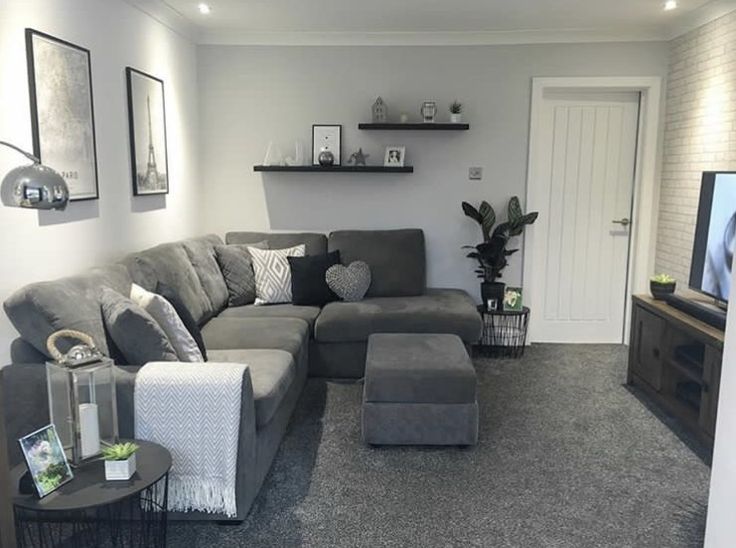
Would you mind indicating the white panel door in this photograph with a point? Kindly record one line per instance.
(582, 184)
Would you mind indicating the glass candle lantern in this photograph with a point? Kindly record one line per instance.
(83, 407)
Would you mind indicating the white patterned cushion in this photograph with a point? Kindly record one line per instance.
(169, 321)
(273, 273)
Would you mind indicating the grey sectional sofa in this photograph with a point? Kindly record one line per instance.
(282, 344)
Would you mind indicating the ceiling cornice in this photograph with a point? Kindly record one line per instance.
(701, 16)
(163, 13)
(441, 38)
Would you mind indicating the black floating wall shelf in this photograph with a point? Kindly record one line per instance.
(429, 126)
(336, 169)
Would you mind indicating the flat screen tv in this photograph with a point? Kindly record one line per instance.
(715, 233)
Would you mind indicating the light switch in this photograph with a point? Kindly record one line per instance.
(475, 173)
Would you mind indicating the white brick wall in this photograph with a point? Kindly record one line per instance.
(700, 134)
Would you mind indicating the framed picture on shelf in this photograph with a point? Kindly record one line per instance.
(46, 460)
(394, 156)
(147, 125)
(62, 111)
(326, 138)
(512, 299)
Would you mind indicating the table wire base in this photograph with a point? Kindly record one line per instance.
(504, 334)
(139, 520)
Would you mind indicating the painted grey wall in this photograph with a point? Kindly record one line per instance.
(46, 245)
(252, 95)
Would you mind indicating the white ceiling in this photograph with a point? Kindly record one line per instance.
(504, 21)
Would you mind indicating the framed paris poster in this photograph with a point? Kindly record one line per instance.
(62, 111)
(147, 119)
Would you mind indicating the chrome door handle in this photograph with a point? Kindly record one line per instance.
(622, 222)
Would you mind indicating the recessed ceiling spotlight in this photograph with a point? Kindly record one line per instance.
(205, 9)
(669, 5)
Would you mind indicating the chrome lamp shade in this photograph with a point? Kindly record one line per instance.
(33, 186)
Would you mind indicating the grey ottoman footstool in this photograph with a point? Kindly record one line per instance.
(420, 389)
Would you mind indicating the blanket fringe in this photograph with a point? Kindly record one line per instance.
(208, 495)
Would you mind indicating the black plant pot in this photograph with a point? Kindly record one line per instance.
(492, 290)
(660, 291)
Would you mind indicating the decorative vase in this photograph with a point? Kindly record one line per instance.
(660, 290)
(428, 111)
(120, 470)
(326, 158)
(456, 118)
(492, 291)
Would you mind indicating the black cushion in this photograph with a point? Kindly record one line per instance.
(308, 285)
(168, 293)
(134, 331)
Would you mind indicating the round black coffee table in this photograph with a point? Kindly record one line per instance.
(92, 511)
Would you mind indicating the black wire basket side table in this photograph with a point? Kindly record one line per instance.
(504, 333)
(90, 511)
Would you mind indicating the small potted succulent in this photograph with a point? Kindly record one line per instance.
(456, 112)
(120, 461)
(662, 285)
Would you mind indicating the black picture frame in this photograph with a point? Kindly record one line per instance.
(131, 74)
(41, 132)
(315, 154)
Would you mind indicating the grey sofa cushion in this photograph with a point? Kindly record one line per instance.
(271, 371)
(307, 313)
(418, 368)
(201, 253)
(288, 334)
(236, 264)
(134, 331)
(315, 244)
(396, 259)
(38, 310)
(438, 311)
(170, 264)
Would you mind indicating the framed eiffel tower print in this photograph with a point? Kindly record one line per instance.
(147, 119)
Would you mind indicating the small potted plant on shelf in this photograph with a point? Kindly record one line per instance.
(492, 254)
(662, 285)
(456, 112)
(120, 461)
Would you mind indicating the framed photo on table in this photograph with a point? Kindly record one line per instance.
(147, 120)
(326, 137)
(46, 460)
(62, 111)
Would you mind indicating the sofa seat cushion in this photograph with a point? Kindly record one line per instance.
(288, 334)
(272, 373)
(307, 313)
(438, 311)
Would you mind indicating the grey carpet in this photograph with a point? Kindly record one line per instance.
(567, 457)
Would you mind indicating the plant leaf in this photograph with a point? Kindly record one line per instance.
(489, 219)
(514, 210)
(473, 213)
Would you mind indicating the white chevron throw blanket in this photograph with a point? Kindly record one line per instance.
(193, 409)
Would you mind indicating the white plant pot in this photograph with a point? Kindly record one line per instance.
(456, 118)
(120, 470)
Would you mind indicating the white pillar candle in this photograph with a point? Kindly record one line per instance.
(89, 427)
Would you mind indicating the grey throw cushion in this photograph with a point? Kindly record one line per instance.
(134, 331)
(236, 265)
(351, 282)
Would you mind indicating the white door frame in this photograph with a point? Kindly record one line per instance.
(646, 190)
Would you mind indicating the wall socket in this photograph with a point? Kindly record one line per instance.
(475, 173)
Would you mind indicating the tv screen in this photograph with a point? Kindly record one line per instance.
(713, 250)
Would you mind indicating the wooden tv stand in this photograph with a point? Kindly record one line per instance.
(676, 360)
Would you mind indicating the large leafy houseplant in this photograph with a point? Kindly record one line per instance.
(492, 254)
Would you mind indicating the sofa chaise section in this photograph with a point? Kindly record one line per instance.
(275, 349)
